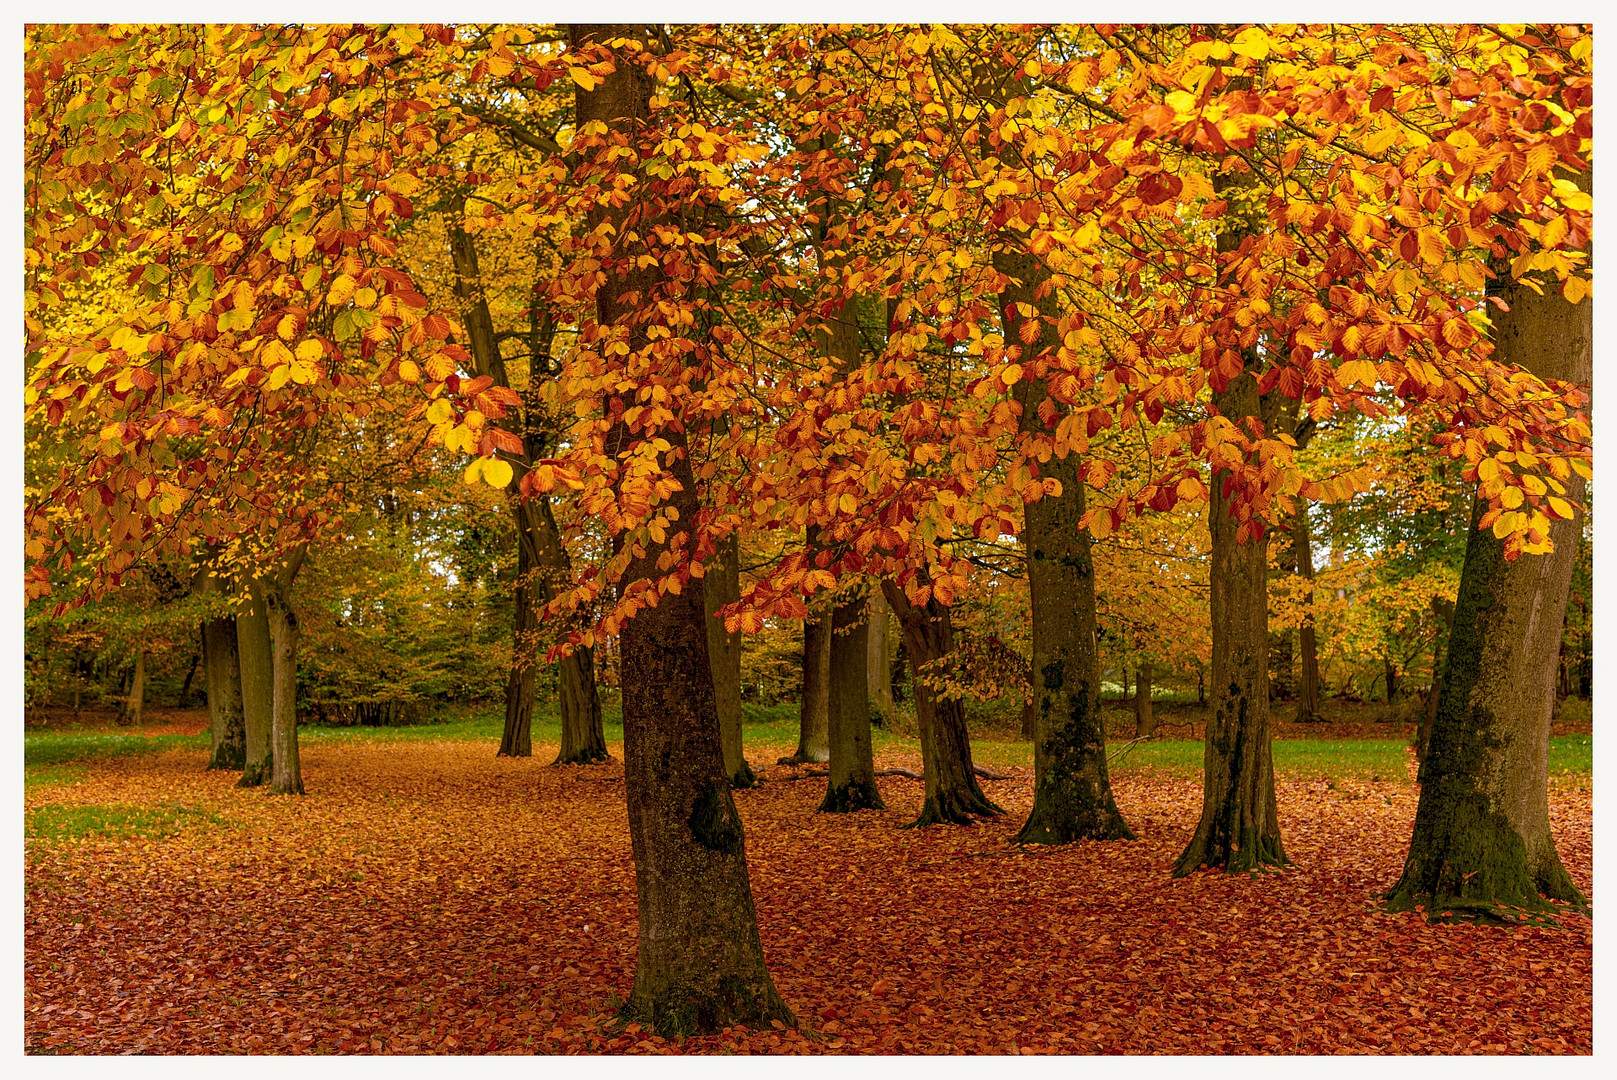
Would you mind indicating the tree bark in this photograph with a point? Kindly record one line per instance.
(184, 697)
(879, 661)
(516, 737)
(813, 720)
(1481, 847)
(223, 679)
(583, 735)
(852, 783)
(1307, 645)
(1145, 721)
(1390, 669)
(700, 966)
(1072, 791)
(722, 585)
(135, 703)
(286, 772)
(1238, 829)
(256, 663)
(953, 795)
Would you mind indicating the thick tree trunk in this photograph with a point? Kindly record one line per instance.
(223, 680)
(852, 782)
(953, 795)
(286, 773)
(256, 663)
(1145, 721)
(701, 963)
(1072, 792)
(879, 662)
(722, 585)
(135, 702)
(1482, 844)
(1307, 644)
(814, 730)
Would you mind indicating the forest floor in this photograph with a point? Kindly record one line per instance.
(427, 897)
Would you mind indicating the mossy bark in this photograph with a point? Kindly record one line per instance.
(953, 796)
(813, 718)
(1072, 791)
(286, 771)
(1307, 642)
(722, 585)
(1482, 847)
(852, 781)
(1145, 720)
(256, 662)
(879, 661)
(223, 679)
(700, 966)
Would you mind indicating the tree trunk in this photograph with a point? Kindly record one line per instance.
(1145, 721)
(879, 662)
(953, 795)
(852, 782)
(1072, 792)
(1482, 842)
(255, 660)
(720, 586)
(701, 963)
(516, 738)
(184, 698)
(135, 703)
(1307, 645)
(1391, 670)
(583, 735)
(286, 772)
(1238, 829)
(223, 679)
(814, 738)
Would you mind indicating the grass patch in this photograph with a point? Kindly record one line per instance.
(49, 776)
(114, 822)
(1338, 759)
(1572, 754)
(60, 748)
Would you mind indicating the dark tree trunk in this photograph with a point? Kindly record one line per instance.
(852, 783)
(135, 702)
(256, 664)
(701, 963)
(223, 680)
(722, 585)
(286, 774)
(1482, 844)
(814, 738)
(1145, 721)
(1391, 671)
(184, 697)
(953, 795)
(1307, 645)
(1072, 792)
(583, 734)
(1238, 829)
(516, 739)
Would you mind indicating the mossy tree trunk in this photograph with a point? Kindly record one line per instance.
(256, 664)
(852, 783)
(1145, 721)
(953, 795)
(1307, 643)
(813, 718)
(286, 772)
(879, 662)
(135, 701)
(1482, 847)
(1072, 791)
(700, 966)
(221, 673)
(722, 585)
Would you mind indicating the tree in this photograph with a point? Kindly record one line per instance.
(721, 586)
(851, 784)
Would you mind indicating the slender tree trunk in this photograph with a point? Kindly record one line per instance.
(583, 735)
(722, 585)
(814, 738)
(953, 795)
(1391, 671)
(1145, 721)
(1238, 829)
(1308, 647)
(879, 662)
(516, 738)
(1482, 842)
(286, 773)
(256, 663)
(224, 694)
(190, 675)
(852, 783)
(135, 702)
(1072, 792)
(701, 963)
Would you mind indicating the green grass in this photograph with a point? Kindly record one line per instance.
(116, 822)
(49, 776)
(1572, 754)
(62, 747)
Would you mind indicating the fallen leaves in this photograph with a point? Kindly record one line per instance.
(431, 898)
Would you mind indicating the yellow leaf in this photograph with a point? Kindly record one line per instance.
(278, 378)
(474, 470)
(497, 473)
(409, 371)
(583, 78)
(309, 350)
(1561, 508)
(1012, 374)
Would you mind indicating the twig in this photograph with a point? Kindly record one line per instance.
(1129, 746)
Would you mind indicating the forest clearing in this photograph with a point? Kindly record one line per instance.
(1026, 539)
